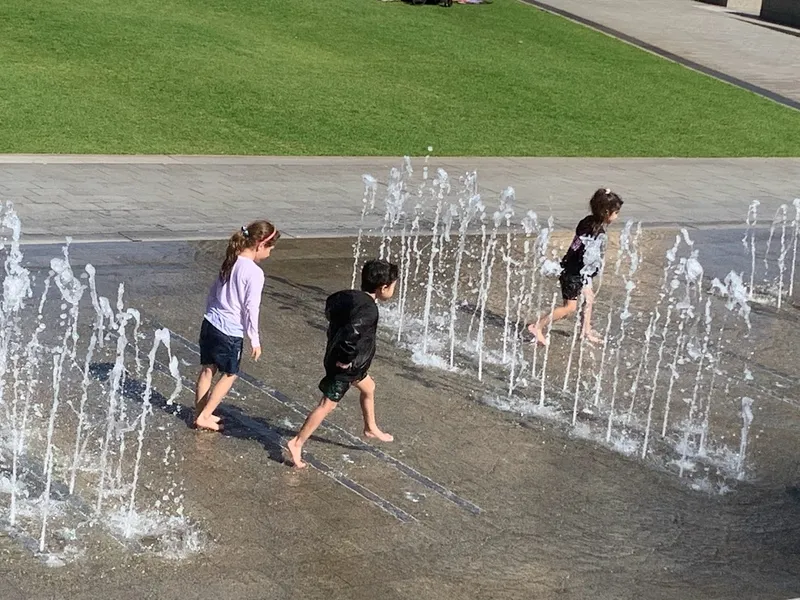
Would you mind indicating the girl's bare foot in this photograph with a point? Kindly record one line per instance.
(593, 337)
(379, 435)
(540, 339)
(208, 424)
(296, 453)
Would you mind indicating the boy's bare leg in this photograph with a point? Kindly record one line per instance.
(371, 430)
(313, 420)
(206, 419)
(537, 329)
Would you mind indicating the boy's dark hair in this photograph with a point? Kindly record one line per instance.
(604, 203)
(377, 273)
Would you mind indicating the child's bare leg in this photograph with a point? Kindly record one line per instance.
(204, 380)
(206, 418)
(371, 430)
(587, 330)
(313, 420)
(561, 312)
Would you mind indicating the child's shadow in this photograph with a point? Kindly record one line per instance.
(236, 422)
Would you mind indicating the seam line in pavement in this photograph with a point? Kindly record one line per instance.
(380, 454)
(262, 431)
(93, 239)
(671, 56)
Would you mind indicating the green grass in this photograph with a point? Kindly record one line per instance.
(355, 77)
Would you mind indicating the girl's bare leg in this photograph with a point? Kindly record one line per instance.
(587, 330)
(371, 430)
(204, 380)
(205, 419)
(538, 328)
(313, 420)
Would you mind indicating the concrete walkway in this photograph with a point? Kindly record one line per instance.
(171, 197)
(753, 52)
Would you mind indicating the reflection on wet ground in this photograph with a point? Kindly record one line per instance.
(470, 501)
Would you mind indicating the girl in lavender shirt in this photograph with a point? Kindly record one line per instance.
(231, 311)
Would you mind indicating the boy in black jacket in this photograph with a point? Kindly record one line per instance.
(352, 331)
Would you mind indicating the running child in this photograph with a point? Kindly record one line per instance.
(605, 206)
(352, 331)
(231, 311)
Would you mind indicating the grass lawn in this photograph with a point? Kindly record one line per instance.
(355, 77)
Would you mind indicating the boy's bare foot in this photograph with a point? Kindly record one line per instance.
(540, 339)
(379, 435)
(208, 424)
(296, 453)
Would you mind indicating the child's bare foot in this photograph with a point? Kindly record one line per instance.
(593, 337)
(379, 435)
(540, 339)
(208, 424)
(214, 418)
(296, 453)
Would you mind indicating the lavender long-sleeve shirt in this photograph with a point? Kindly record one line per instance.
(232, 307)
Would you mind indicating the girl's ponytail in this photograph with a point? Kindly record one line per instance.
(247, 237)
(236, 244)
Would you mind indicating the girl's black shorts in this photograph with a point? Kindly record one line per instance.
(219, 349)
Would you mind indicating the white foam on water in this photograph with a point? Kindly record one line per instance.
(524, 407)
(684, 464)
(174, 537)
(33, 508)
(625, 445)
(414, 497)
(418, 357)
(619, 441)
(6, 487)
(713, 488)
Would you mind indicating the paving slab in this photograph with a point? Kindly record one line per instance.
(92, 197)
(734, 46)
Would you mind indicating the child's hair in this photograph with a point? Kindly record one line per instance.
(604, 203)
(249, 236)
(378, 273)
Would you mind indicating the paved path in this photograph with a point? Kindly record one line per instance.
(165, 197)
(751, 51)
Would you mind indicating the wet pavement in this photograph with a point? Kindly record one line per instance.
(468, 502)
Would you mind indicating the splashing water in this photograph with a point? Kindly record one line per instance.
(747, 421)
(367, 204)
(751, 221)
(657, 357)
(57, 418)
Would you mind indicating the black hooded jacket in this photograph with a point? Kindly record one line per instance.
(352, 331)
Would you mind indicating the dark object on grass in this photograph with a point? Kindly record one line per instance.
(439, 2)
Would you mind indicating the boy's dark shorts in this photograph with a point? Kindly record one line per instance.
(335, 385)
(219, 349)
(571, 285)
